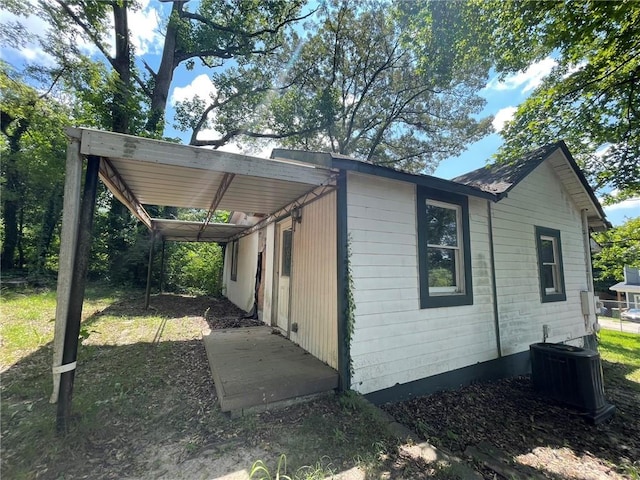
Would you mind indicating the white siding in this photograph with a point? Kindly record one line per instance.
(394, 340)
(313, 281)
(539, 200)
(242, 290)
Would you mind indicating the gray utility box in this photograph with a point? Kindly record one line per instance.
(571, 375)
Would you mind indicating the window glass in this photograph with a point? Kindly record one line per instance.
(442, 227)
(443, 249)
(550, 269)
(442, 267)
(546, 250)
(286, 253)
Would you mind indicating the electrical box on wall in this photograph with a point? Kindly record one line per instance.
(588, 303)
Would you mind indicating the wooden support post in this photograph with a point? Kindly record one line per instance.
(76, 296)
(149, 269)
(162, 267)
(68, 238)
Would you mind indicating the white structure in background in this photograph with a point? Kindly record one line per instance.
(630, 287)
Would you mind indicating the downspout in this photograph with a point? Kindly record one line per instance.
(342, 252)
(496, 316)
(591, 329)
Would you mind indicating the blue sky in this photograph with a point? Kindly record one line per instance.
(502, 96)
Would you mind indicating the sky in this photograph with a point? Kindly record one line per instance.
(502, 96)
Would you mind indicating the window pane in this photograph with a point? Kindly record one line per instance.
(442, 267)
(548, 277)
(546, 250)
(441, 226)
(286, 253)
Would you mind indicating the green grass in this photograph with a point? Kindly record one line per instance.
(142, 382)
(624, 349)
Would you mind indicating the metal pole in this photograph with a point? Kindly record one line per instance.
(76, 295)
(148, 292)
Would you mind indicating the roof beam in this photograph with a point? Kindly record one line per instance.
(305, 199)
(120, 190)
(118, 145)
(222, 188)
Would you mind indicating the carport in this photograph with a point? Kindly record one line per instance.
(140, 172)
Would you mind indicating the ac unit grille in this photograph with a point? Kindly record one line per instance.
(571, 375)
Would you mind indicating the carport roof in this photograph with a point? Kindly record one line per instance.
(141, 171)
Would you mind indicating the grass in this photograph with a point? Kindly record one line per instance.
(143, 386)
(623, 349)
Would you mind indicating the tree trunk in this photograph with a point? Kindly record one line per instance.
(12, 196)
(164, 77)
(122, 65)
(49, 222)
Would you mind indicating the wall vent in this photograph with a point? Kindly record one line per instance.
(571, 375)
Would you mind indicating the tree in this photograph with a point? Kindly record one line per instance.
(591, 97)
(620, 247)
(359, 85)
(33, 154)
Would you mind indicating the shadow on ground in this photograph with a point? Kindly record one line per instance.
(149, 409)
(508, 419)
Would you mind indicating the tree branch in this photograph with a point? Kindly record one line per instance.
(241, 33)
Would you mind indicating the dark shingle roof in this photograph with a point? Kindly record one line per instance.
(500, 178)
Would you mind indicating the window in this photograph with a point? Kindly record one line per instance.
(443, 249)
(550, 271)
(286, 253)
(234, 260)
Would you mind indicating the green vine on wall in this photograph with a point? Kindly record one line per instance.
(350, 307)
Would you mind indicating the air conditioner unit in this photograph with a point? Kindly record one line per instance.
(571, 375)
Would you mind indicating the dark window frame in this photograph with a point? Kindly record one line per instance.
(431, 300)
(234, 260)
(546, 297)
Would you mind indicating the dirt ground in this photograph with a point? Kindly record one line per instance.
(491, 423)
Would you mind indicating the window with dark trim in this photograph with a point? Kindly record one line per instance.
(234, 260)
(444, 250)
(550, 272)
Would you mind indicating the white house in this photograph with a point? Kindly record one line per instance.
(630, 287)
(404, 284)
(408, 284)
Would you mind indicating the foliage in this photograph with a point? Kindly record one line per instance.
(195, 268)
(590, 98)
(360, 84)
(620, 247)
(33, 152)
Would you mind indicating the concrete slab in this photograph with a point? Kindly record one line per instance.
(253, 367)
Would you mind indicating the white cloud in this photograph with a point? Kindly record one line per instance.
(527, 79)
(31, 51)
(503, 116)
(628, 204)
(144, 24)
(201, 86)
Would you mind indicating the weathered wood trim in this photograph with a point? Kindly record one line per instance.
(68, 239)
(117, 145)
(112, 179)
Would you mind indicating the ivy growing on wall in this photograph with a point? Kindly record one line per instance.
(350, 307)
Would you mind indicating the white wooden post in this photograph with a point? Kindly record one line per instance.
(68, 239)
